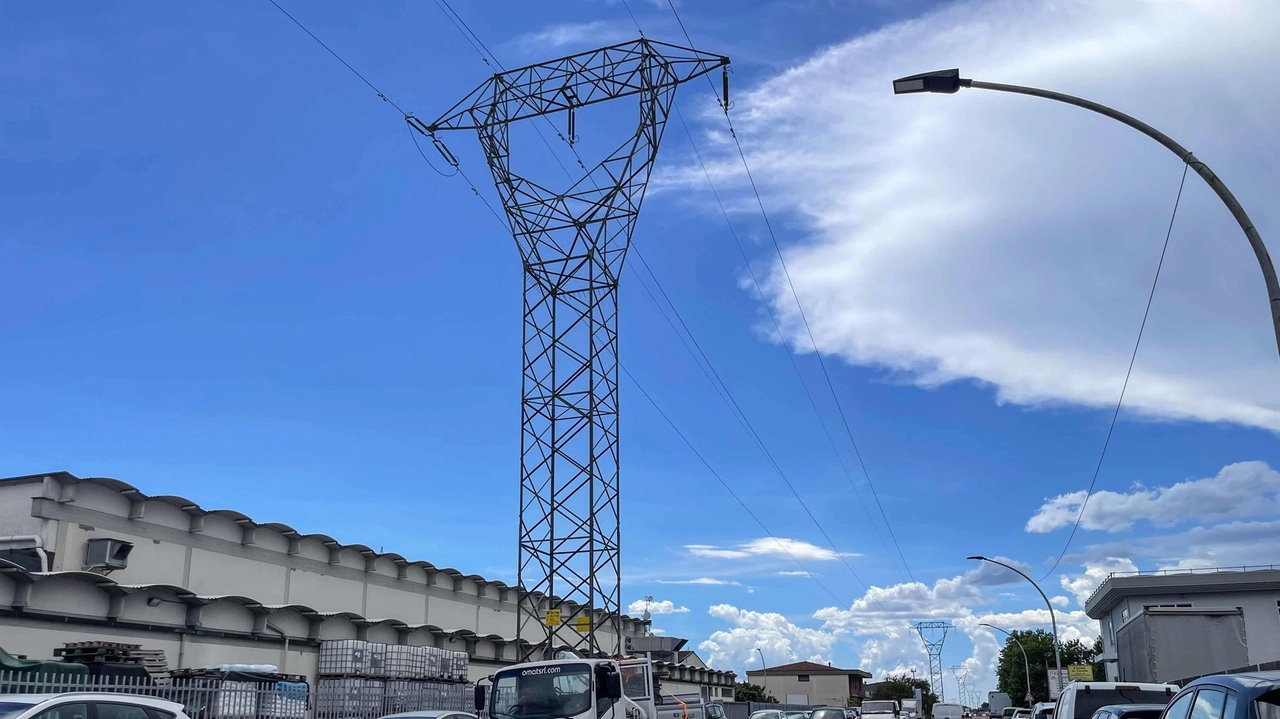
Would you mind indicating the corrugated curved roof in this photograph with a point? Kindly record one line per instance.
(193, 508)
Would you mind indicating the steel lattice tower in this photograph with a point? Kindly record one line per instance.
(573, 244)
(933, 634)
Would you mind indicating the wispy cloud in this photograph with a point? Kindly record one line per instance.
(576, 36)
(1010, 241)
(796, 573)
(702, 580)
(766, 546)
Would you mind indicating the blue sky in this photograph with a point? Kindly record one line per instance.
(232, 277)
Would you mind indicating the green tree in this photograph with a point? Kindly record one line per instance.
(1011, 672)
(746, 692)
(904, 687)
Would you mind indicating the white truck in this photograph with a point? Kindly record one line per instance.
(880, 709)
(574, 688)
(911, 709)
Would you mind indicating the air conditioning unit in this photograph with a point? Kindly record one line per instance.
(107, 554)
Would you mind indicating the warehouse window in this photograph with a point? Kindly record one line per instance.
(1124, 614)
(802, 677)
(1180, 605)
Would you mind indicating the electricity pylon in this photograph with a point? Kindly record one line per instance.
(961, 673)
(573, 244)
(933, 634)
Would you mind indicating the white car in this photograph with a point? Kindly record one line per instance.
(428, 714)
(87, 705)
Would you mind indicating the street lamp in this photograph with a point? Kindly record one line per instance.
(1026, 662)
(1053, 618)
(949, 82)
(764, 669)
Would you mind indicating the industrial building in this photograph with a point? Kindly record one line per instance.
(811, 683)
(1172, 625)
(97, 559)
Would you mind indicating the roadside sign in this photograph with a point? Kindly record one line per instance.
(1029, 698)
(553, 618)
(1080, 673)
(1056, 683)
(582, 624)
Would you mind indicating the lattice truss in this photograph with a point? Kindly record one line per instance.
(573, 244)
(934, 634)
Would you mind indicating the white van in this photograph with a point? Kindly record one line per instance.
(948, 711)
(1080, 700)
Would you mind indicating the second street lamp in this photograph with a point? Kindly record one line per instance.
(1025, 661)
(949, 82)
(1053, 618)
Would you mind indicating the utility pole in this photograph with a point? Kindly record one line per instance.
(572, 245)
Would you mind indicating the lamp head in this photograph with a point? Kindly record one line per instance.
(978, 557)
(940, 81)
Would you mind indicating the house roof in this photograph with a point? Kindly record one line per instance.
(808, 668)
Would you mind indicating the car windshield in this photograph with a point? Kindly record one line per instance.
(795, 715)
(1091, 701)
(547, 692)
(13, 709)
(827, 714)
(878, 707)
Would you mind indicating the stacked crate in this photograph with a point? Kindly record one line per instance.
(212, 693)
(400, 677)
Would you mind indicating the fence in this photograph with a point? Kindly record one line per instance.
(210, 697)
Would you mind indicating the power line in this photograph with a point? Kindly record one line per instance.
(1132, 358)
(726, 486)
(338, 57)
(795, 366)
(786, 273)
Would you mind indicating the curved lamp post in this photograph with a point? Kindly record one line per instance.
(1025, 661)
(1053, 618)
(764, 669)
(949, 81)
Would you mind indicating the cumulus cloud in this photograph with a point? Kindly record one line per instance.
(776, 636)
(766, 546)
(1244, 489)
(710, 581)
(795, 573)
(1232, 544)
(1082, 586)
(1010, 241)
(665, 606)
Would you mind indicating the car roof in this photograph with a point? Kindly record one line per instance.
(1119, 708)
(1249, 680)
(94, 696)
(425, 714)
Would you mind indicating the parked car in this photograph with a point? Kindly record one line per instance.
(1043, 710)
(429, 714)
(797, 715)
(1080, 700)
(83, 705)
(827, 713)
(1129, 711)
(762, 714)
(1228, 696)
(1021, 714)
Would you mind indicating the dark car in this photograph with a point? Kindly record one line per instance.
(1228, 696)
(1129, 711)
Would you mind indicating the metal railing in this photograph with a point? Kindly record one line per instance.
(1186, 570)
(211, 697)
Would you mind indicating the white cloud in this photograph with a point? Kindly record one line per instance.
(1244, 489)
(796, 573)
(1084, 585)
(702, 580)
(665, 606)
(1233, 544)
(1010, 241)
(779, 639)
(577, 36)
(767, 546)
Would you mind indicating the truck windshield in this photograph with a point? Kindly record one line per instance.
(879, 707)
(547, 692)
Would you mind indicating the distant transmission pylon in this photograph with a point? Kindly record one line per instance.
(573, 244)
(961, 673)
(933, 634)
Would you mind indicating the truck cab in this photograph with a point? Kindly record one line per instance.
(572, 688)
